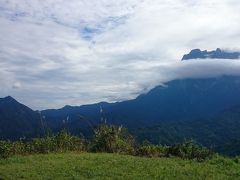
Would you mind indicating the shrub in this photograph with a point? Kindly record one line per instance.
(5, 149)
(189, 150)
(237, 159)
(150, 150)
(18, 147)
(64, 141)
(61, 142)
(112, 139)
(42, 145)
(185, 150)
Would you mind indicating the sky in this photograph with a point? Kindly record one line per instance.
(58, 52)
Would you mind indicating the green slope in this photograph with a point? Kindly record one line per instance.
(112, 166)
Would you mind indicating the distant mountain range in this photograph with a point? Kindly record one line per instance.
(178, 100)
(205, 109)
(216, 54)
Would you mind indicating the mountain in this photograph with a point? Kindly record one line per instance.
(205, 109)
(176, 101)
(17, 120)
(216, 54)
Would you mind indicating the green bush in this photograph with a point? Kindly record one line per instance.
(189, 150)
(42, 145)
(185, 150)
(150, 150)
(18, 147)
(64, 141)
(61, 142)
(112, 139)
(237, 159)
(5, 149)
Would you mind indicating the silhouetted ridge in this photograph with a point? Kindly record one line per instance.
(216, 54)
(17, 120)
(8, 99)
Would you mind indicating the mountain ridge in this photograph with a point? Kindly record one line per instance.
(17, 120)
(215, 54)
(180, 99)
(205, 109)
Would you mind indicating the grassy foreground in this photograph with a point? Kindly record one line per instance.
(73, 165)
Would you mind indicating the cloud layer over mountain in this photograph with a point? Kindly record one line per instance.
(56, 52)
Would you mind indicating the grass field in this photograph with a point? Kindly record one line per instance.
(112, 166)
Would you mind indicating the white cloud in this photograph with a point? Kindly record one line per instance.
(75, 52)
